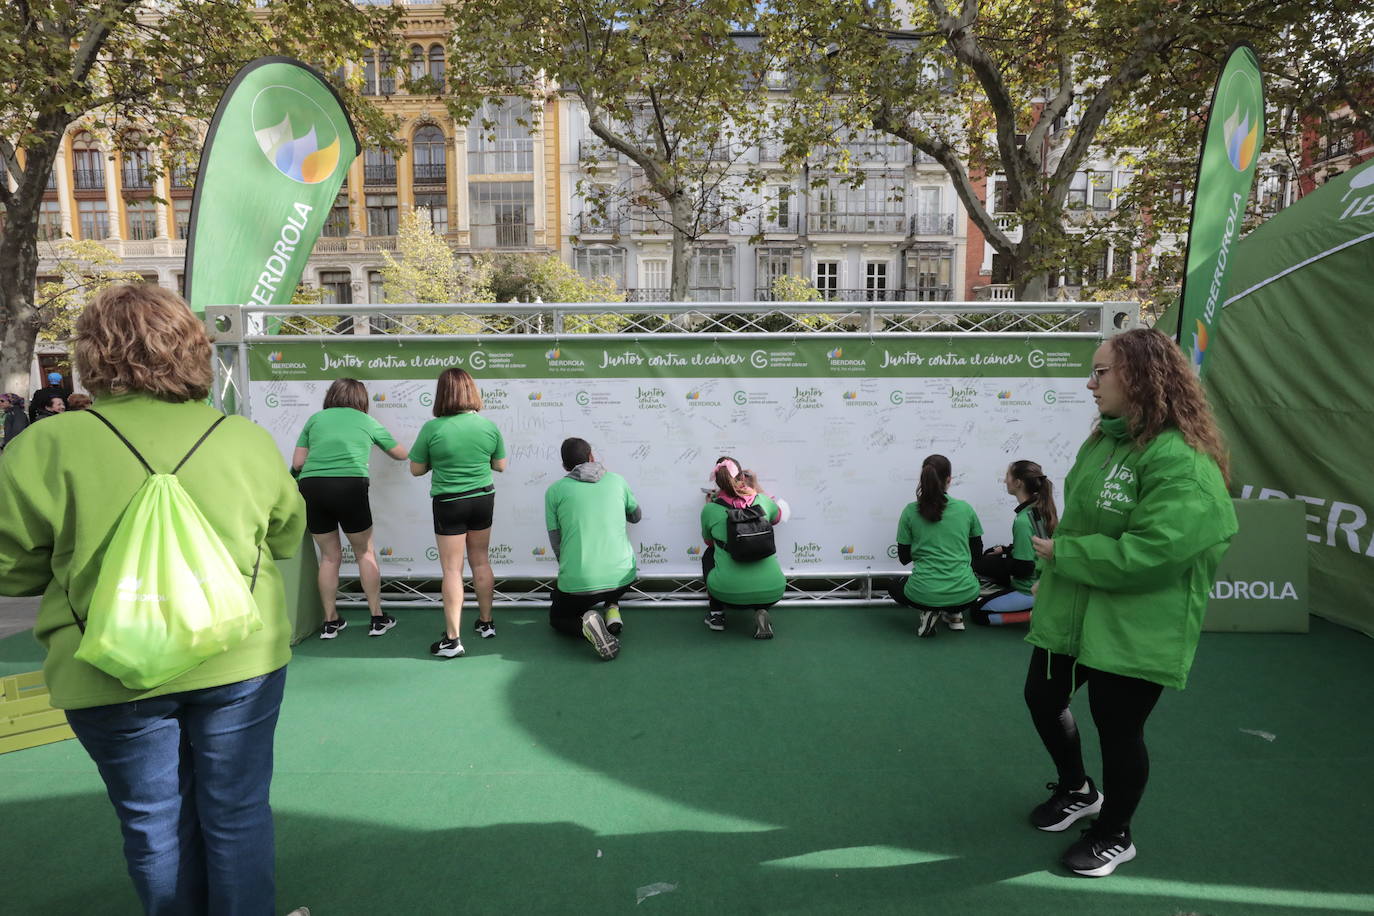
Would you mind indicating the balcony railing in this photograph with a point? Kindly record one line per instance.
(924, 294)
(430, 172)
(183, 177)
(879, 223)
(88, 179)
(647, 294)
(995, 292)
(591, 224)
(379, 174)
(595, 151)
(932, 224)
(135, 179)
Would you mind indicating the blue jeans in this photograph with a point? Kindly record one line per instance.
(1010, 601)
(189, 775)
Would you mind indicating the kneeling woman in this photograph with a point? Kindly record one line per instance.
(941, 536)
(1012, 567)
(750, 578)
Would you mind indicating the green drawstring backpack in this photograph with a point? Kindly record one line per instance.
(169, 595)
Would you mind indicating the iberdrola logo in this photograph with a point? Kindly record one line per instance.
(1242, 136)
(1199, 345)
(295, 134)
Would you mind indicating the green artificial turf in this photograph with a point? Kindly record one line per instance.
(844, 767)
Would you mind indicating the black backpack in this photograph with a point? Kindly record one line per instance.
(748, 533)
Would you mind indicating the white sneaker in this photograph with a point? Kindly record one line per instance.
(953, 621)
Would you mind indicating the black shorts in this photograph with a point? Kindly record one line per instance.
(459, 513)
(336, 502)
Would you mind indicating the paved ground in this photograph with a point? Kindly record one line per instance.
(17, 614)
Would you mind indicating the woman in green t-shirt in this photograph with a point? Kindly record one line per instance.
(1012, 567)
(940, 536)
(331, 463)
(732, 580)
(461, 448)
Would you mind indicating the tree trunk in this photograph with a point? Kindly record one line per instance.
(19, 319)
(682, 249)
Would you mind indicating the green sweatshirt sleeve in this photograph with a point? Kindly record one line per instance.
(381, 436)
(1174, 522)
(26, 536)
(286, 520)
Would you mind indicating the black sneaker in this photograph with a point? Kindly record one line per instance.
(594, 629)
(929, 620)
(1098, 852)
(331, 628)
(485, 628)
(447, 647)
(716, 620)
(381, 624)
(1065, 806)
(763, 627)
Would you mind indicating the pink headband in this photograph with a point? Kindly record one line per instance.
(729, 466)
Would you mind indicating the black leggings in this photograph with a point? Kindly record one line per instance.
(566, 608)
(1119, 704)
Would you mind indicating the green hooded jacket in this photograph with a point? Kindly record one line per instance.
(1135, 554)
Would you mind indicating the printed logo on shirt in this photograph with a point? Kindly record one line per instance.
(1118, 490)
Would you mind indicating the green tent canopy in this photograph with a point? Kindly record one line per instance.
(1291, 377)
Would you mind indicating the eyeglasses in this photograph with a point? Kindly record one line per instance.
(1098, 371)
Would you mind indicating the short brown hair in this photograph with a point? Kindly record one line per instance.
(143, 338)
(346, 392)
(78, 401)
(456, 393)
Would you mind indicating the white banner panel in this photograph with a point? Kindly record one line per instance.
(836, 426)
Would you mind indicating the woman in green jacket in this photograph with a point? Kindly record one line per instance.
(331, 462)
(1124, 583)
(188, 764)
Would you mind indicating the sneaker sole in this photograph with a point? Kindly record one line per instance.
(763, 627)
(456, 652)
(1074, 817)
(929, 622)
(330, 634)
(378, 631)
(606, 645)
(487, 633)
(1103, 871)
(715, 627)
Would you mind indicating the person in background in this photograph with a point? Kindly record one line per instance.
(54, 406)
(940, 536)
(462, 448)
(1124, 583)
(78, 401)
(585, 512)
(755, 584)
(42, 398)
(1012, 567)
(187, 765)
(331, 463)
(16, 419)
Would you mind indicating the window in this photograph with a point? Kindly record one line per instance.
(417, 63)
(436, 206)
(827, 215)
(142, 219)
(88, 164)
(135, 173)
(375, 294)
(774, 263)
(930, 218)
(929, 274)
(386, 74)
(502, 214)
(713, 275)
(1077, 198)
(828, 278)
(875, 281)
(49, 220)
(181, 285)
(381, 214)
(436, 64)
(336, 223)
(1001, 196)
(379, 167)
(369, 74)
(337, 286)
(1100, 184)
(94, 218)
(653, 274)
(498, 143)
(601, 261)
(430, 156)
(1096, 271)
(181, 214)
(779, 215)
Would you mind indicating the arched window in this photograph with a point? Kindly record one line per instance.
(436, 63)
(417, 63)
(430, 155)
(88, 163)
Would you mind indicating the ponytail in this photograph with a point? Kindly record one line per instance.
(930, 492)
(726, 475)
(1039, 487)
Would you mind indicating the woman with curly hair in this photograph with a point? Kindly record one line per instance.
(1124, 583)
